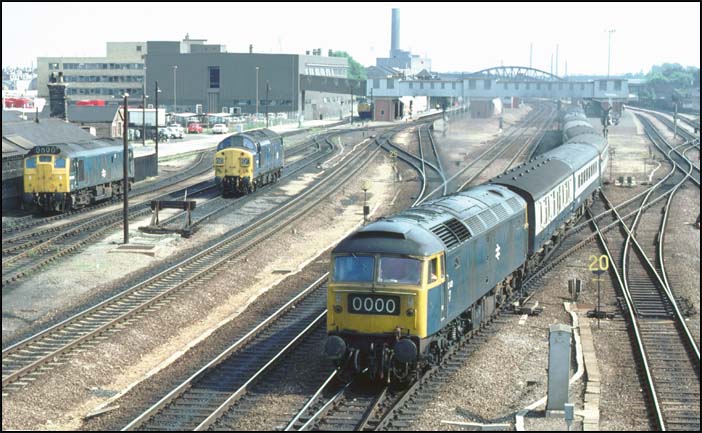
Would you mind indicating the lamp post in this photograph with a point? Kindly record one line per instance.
(609, 49)
(125, 173)
(156, 92)
(175, 100)
(267, 89)
(256, 93)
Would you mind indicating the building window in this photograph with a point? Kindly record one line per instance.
(453, 86)
(411, 85)
(214, 77)
(603, 85)
(391, 83)
(431, 85)
(487, 84)
(376, 83)
(504, 86)
(139, 48)
(443, 85)
(471, 84)
(617, 85)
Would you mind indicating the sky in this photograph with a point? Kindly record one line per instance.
(457, 37)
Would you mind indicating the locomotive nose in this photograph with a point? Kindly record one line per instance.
(334, 348)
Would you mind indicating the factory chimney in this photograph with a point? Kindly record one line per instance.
(395, 36)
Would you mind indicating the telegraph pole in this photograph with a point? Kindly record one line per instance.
(156, 92)
(125, 173)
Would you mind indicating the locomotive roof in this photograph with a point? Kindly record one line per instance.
(253, 136)
(79, 148)
(436, 225)
(537, 176)
(260, 134)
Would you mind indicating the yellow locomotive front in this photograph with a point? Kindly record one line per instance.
(46, 177)
(377, 301)
(234, 170)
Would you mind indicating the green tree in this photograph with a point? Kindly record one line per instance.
(356, 70)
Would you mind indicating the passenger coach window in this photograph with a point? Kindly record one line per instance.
(31, 162)
(399, 270)
(353, 269)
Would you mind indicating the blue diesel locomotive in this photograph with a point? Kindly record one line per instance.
(244, 162)
(406, 287)
(64, 176)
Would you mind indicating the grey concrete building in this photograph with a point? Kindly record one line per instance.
(120, 71)
(192, 73)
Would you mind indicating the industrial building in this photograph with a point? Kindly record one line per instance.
(195, 76)
(120, 71)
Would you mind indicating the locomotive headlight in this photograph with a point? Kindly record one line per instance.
(338, 309)
(410, 312)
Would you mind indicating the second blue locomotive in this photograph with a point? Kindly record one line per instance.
(245, 162)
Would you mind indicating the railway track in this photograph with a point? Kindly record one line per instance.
(427, 147)
(15, 229)
(27, 253)
(539, 120)
(202, 398)
(215, 206)
(667, 352)
(29, 358)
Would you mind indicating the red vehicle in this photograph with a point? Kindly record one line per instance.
(194, 128)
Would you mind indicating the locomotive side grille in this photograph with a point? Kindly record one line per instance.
(447, 236)
(514, 204)
(488, 217)
(500, 211)
(458, 229)
(475, 224)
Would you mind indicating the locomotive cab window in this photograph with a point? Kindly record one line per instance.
(44, 158)
(31, 163)
(354, 269)
(433, 274)
(399, 270)
(60, 163)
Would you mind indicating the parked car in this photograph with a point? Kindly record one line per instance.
(170, 132)
(177, 129)
(220, 128)
(194, 128)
